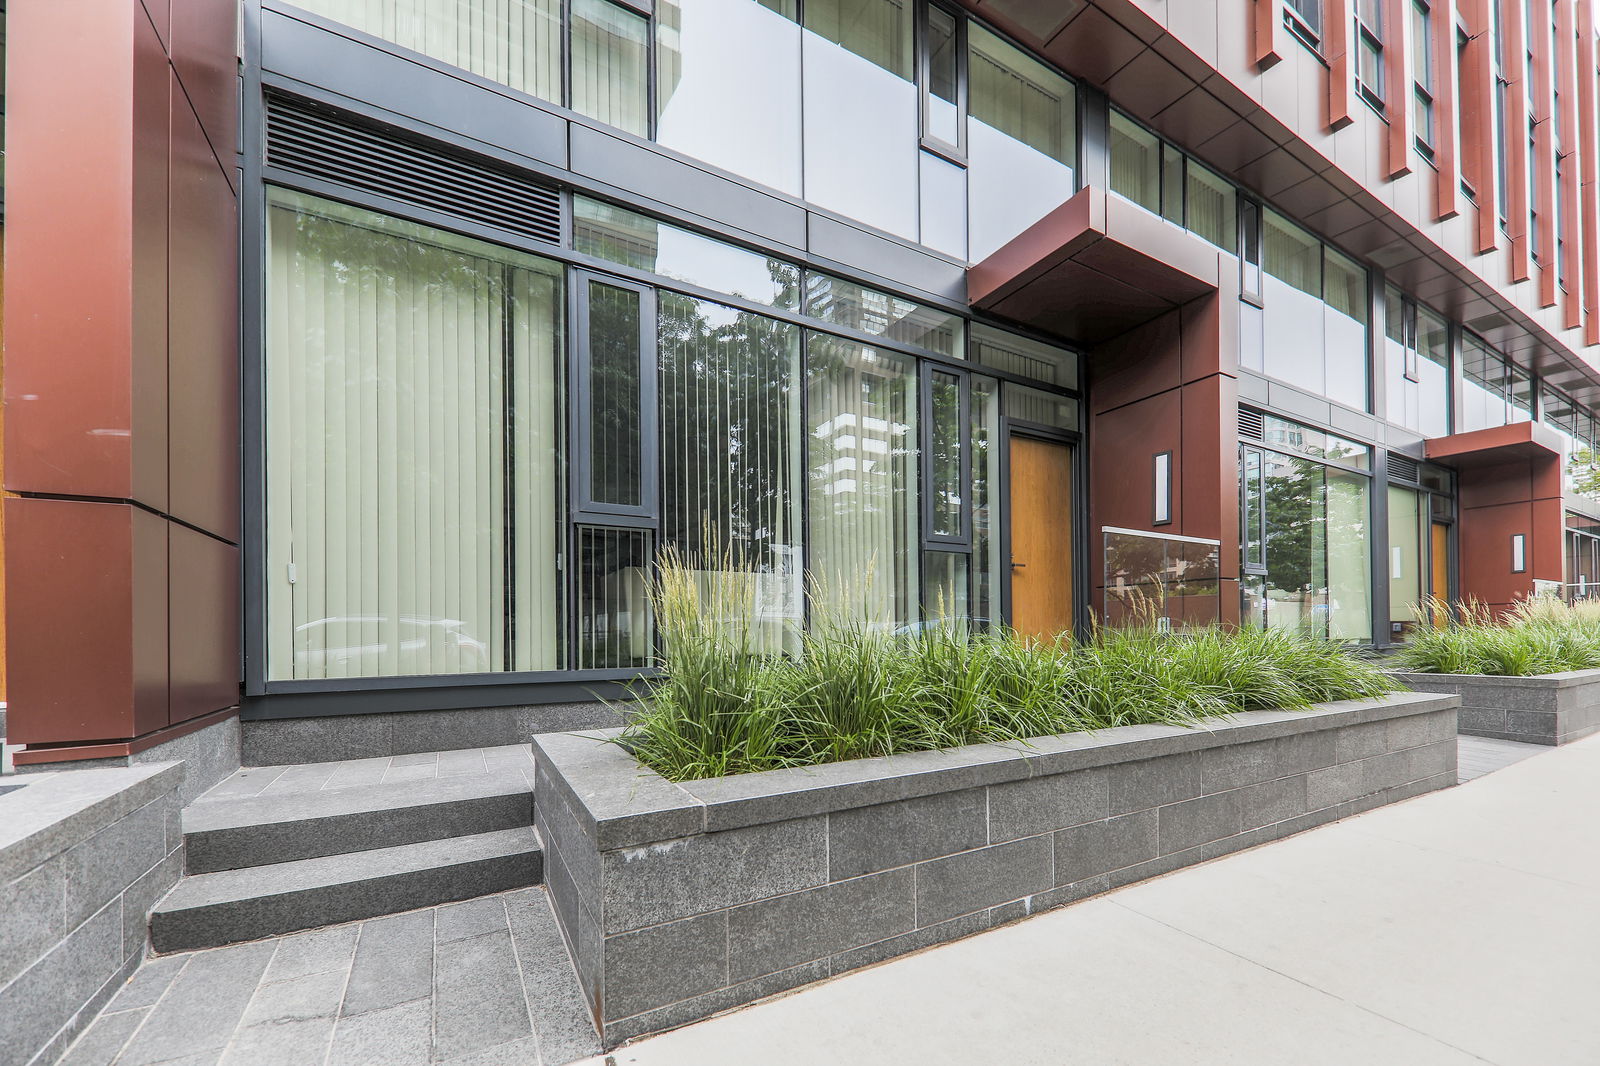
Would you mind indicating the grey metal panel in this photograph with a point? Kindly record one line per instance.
(634, 167)
(1292, 401)
(1359, 425)
(1404, 441)
(464, 105)
(1252, 387)
(842, 243)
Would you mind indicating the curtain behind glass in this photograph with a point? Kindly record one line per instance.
(402, 365)
(514, 42)
(1405, 558)
(610, 64)
(1135, 163)
(875, 30)
(862, 463)
(1349, 561)
(731, 455)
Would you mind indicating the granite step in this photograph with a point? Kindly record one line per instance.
(230, 906)
(232, 832)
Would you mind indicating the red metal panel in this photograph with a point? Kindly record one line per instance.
(204, 53)
(204, 624)
(1397, 87)
(86, 611)
(1447, 173)
(1339, 49)
(1516, 134)
(1588, 190)
(204, 397)
(1267, 35)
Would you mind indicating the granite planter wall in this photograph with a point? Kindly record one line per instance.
(84, 855)
(678, 901)
(1547, 709)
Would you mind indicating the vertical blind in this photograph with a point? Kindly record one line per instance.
(1020, 97)
(862, 404)
(514, 42)
(610, 64)
(412, 470)
(731, 455)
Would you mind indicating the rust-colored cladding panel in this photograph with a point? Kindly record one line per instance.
(1512, 15)
(69, 250)
(1447, 173)
(1339, 48)
(1566, 80)
(1588, 191)
(152, 154)
(204, 53)
(204, 624)
(160, 14)
(1267, 33)
(86, 612)
(1544, 150)
(1397, 87)
(204, 312)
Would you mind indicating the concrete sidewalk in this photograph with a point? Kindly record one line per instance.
(1460, 927)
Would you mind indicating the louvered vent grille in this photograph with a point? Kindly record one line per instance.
(1251, 426)
(1402, 468)
(331, 146)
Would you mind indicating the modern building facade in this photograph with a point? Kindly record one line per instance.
(362, 355)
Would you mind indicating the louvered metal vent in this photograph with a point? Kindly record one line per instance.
(1403, 468)
(1251, 426)
(327, 144)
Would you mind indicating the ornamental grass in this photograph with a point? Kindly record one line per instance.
(1540, 635)
(726, 701)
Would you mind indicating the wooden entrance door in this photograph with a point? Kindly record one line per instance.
(1041, 537)
(1440, 577)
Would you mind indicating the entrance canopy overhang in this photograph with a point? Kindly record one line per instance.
(1491, 447)
(1094, 268)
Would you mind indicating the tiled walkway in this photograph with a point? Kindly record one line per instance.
(481, 983)
(1476, 756)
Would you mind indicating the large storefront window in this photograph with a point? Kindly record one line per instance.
(1583, 557)
(1305, 543)
(412, 398)
(1580, 438)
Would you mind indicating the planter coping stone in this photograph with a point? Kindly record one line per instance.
(1565, 679)
(620, 803)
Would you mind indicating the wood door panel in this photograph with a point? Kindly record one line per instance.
(1041, 537)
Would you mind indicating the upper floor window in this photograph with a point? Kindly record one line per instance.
(1369, 49)
(1496, 391)
(1422, 86)
(1160, 178)
(1305, 17)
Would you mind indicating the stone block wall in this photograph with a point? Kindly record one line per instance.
(84, 855)
(1550, 709)
(679, 901)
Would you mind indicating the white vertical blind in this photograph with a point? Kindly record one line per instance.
(610, 62)
(862, 456)
(514, 42)
(402, 362)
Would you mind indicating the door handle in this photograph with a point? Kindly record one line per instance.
(1018, 566)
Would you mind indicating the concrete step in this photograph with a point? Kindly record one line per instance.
(230, 906)
(229, 832)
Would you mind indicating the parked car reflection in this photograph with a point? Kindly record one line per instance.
(369, 645)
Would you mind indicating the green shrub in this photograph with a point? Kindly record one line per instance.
(723, 705)
(1541, 635)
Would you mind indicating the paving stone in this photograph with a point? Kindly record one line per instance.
(314, 952)
(560, 1015)
(148, 983)
(314, 995)
(285, 1042)
(465, 761)
(202, 1007)
(393, 1036)
(478, 997)
(393, 963)
(357, 772)
(104, 1040)
(457, 921)
(881, 837)
(523, 1052)
(305, 777)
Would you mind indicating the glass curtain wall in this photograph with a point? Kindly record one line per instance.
(1408, 584)
(1163, 180)
(1494, 391)
(862, 458)
(1315, 315)
(1416, 366)
(1305, 543)
(1022, 141)
(412, 397)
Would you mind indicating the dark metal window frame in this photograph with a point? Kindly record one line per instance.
(1371, 36)
(962, 538)
(581, 394)
(1163, 484)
